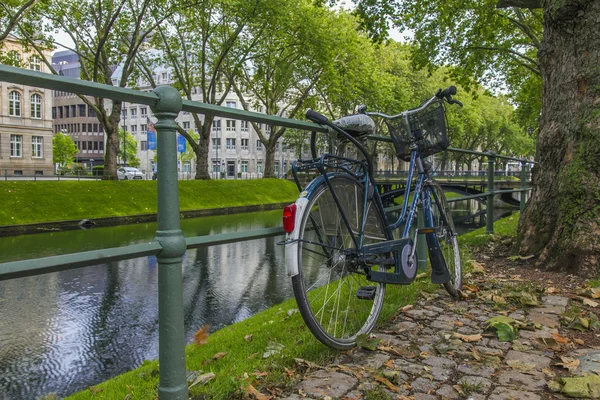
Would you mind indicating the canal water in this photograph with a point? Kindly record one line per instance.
(64, 331)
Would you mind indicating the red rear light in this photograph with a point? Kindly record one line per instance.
(289, 218)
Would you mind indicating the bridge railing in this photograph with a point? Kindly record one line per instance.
(169, 244)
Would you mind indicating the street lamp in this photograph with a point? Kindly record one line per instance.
(124, 137)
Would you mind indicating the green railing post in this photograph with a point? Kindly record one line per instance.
(171, 339)
(421, 244)
(524, 168)
(489, 229)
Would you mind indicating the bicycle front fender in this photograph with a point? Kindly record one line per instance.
(291, 245)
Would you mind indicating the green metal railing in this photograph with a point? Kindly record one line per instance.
(169, 244)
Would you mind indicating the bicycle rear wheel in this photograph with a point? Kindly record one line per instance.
(335, 298)
(448, 239)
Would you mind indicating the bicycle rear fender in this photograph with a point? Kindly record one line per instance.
(291, 246)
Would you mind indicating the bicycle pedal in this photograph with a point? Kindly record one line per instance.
(366, 292)
(423, 231)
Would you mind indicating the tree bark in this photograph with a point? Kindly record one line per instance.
(202, 165)
(562, 220)
(269, 171)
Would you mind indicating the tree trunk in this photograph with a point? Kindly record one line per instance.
(269, 161)
(113, 144)
(202, 163)
(562, 220)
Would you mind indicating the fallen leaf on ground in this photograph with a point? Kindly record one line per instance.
(292, 311)
(406, 307)
(219, 355)
(504, 327)
(478, 268)
(560, 339)
(569, 363)
(203, 379)
(260, 374)
(551, 290)
(467, 338)
(201, 335)
(579, 342)
(272, 349)
(548, 372)
(289, 373)
(589, 302)
(95, 390)
(595, 293)
(421, 275)
(248, 338)
(471, 288)
(257, 395)
(547, 343)
(387, 383)
(304, 363)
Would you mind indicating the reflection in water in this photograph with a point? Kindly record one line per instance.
(64, 331)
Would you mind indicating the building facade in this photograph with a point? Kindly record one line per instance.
(72, 116)
(25, 120)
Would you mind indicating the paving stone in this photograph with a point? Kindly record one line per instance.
(477, 383)
(545, 332)
(522, 381)
(505, 393)
(404, 326)
(537, 315)
(589, 360)
(409, 368)
(434, 309)
(443, 325)
(392, 340)
(423, 385)
(448, 392)
(489, 351)
(528, 358)
(439, 362)
(555, 301)
(376, 360)
(423, 396)
(495, 344)
(292, 397)
(323, 383)
(476, 370)
(441, 374)
(421, 314)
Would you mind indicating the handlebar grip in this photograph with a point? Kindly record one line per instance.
(316, 117)
(454, 101)
(449, 91)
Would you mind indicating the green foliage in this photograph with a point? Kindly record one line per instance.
(63, 149)
(131, 146)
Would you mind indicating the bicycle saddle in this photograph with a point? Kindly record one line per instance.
(356, 125)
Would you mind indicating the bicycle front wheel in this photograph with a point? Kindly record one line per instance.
(448, 239)
(335, 298)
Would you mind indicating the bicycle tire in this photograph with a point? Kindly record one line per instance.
(448, 240)
(326, 286)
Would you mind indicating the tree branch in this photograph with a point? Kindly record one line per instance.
(519, 3)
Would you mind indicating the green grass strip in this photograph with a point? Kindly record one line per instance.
(34, 202)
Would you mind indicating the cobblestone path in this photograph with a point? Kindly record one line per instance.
(445, 349)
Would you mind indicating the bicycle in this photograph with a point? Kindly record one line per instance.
(340, 246)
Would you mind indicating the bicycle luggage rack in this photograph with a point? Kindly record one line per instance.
(328, 163)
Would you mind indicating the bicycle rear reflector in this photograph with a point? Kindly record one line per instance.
(289, 218)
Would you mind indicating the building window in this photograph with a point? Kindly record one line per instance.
(276, 146)
(259, 167)
(101, 146)
(60, 112)
(216, 142)
(144, 145)
(53, 112)
(83, 145)
(16, 145)
(38, 173)
(164, 77)
(245, 126)
(81, 110)
(144, 128)
(14, 58)
(66, 111)
(74, 110)
(14, 104)
(268, 129)
(36, 106)
(230, 104)
(89, 145)
(134, 129)
(186, 125)
(36, 146)
(133, 112)
(216, 125)
(230, 125)
(245, 144)
(258, 145)
(35, 63)
(91, 112)
(19, 173)
(230, 144)
(244, 166)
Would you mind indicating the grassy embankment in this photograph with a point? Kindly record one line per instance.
(27, 202)
(244, 365)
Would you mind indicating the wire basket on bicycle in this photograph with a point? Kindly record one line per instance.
(426, 128)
